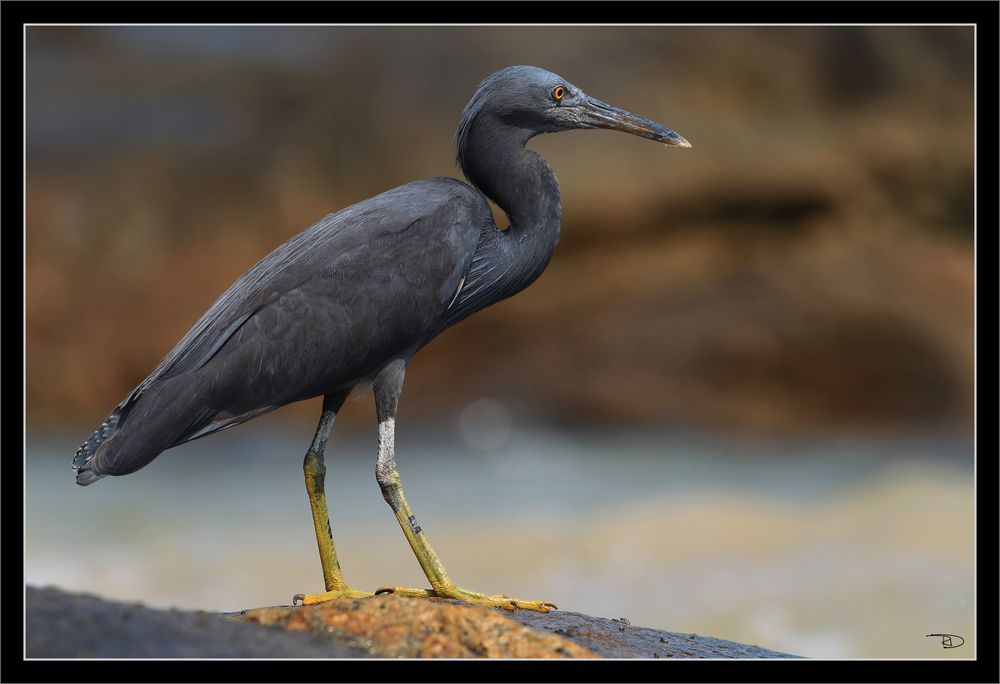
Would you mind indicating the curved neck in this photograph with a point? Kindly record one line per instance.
(493, 158)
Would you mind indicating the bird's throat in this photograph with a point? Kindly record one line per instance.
(522, 184)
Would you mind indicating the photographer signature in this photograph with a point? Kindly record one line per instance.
(947, 640)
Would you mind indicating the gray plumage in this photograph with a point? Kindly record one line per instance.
(368, 285)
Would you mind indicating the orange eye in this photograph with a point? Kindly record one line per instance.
(558, 92)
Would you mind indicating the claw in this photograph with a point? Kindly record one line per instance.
(545, 606)
(385, 590)
(297, 598)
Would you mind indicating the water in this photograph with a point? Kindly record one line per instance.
(837, 549)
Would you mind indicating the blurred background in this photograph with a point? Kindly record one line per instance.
(739, 402)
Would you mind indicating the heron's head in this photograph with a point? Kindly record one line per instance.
(537, 101)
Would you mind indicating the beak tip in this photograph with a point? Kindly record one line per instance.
(678, 142)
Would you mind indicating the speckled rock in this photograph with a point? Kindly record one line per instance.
(617, 638)
(398, 627)
(64, 625)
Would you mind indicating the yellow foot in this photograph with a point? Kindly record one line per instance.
(347, 592)
(474, 597)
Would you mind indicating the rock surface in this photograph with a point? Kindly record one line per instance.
(619, 639)
(399, 627)
(63, 625)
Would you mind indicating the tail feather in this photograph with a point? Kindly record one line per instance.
(86, 476)
(83, 457)
(164, 414)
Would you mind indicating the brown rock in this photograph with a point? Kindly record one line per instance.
(65, 625)
(399, 627)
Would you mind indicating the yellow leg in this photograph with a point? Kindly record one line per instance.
(387, 389)
(315, 475)
(442, 585)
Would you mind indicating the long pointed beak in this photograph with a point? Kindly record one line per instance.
(596, 114)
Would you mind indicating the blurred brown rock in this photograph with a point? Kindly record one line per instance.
(807, 266)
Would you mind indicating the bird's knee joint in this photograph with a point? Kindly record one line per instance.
(314, 469)
(386, 474)
(389, 483)
(313, 462)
